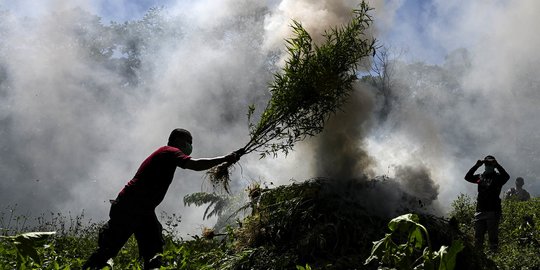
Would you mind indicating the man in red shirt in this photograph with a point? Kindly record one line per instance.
(133, 210)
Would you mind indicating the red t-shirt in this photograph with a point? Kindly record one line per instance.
(149, 185)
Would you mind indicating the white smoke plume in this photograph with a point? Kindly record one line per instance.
(85, 101)
(447, 112)
(78, 116)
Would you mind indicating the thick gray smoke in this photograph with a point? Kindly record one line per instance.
(83, 102)
(436, 115)
(340, 153)
(480, 99)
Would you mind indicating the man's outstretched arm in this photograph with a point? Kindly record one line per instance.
(201, 164)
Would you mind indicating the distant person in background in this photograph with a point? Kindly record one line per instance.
(488, 203)
(518, 193)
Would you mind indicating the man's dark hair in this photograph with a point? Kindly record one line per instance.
(179, 133)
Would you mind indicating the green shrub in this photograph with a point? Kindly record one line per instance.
(519, 231)
(407, 246)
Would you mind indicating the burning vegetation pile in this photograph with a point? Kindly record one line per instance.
(327, 224)
(309, 222)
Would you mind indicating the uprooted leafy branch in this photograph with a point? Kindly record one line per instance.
(314, 83)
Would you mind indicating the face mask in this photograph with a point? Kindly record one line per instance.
(489, 169)
(187, 149)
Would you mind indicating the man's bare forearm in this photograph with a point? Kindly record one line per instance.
(201, 164)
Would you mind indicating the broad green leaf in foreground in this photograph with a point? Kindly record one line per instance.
(26, 243)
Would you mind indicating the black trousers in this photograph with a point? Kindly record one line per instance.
(123, 223)
(487, 222)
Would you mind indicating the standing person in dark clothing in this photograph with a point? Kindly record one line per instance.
(488, 204)
(133, 210)
(518, 193)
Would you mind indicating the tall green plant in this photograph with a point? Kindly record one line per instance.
(314, 83)
(462, 211)
(407, 246)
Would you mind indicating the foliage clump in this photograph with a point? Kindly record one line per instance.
(323, 223)
(413, 249)
(519, 231)
(312, 221)
(216, 203)
(317, 224)
(32, 244)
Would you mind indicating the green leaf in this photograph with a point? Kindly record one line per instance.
(380, 248)
(218, 202)
(26, 243)
(448, 255)
(307, 267)
(410, 223)
(403, 221)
